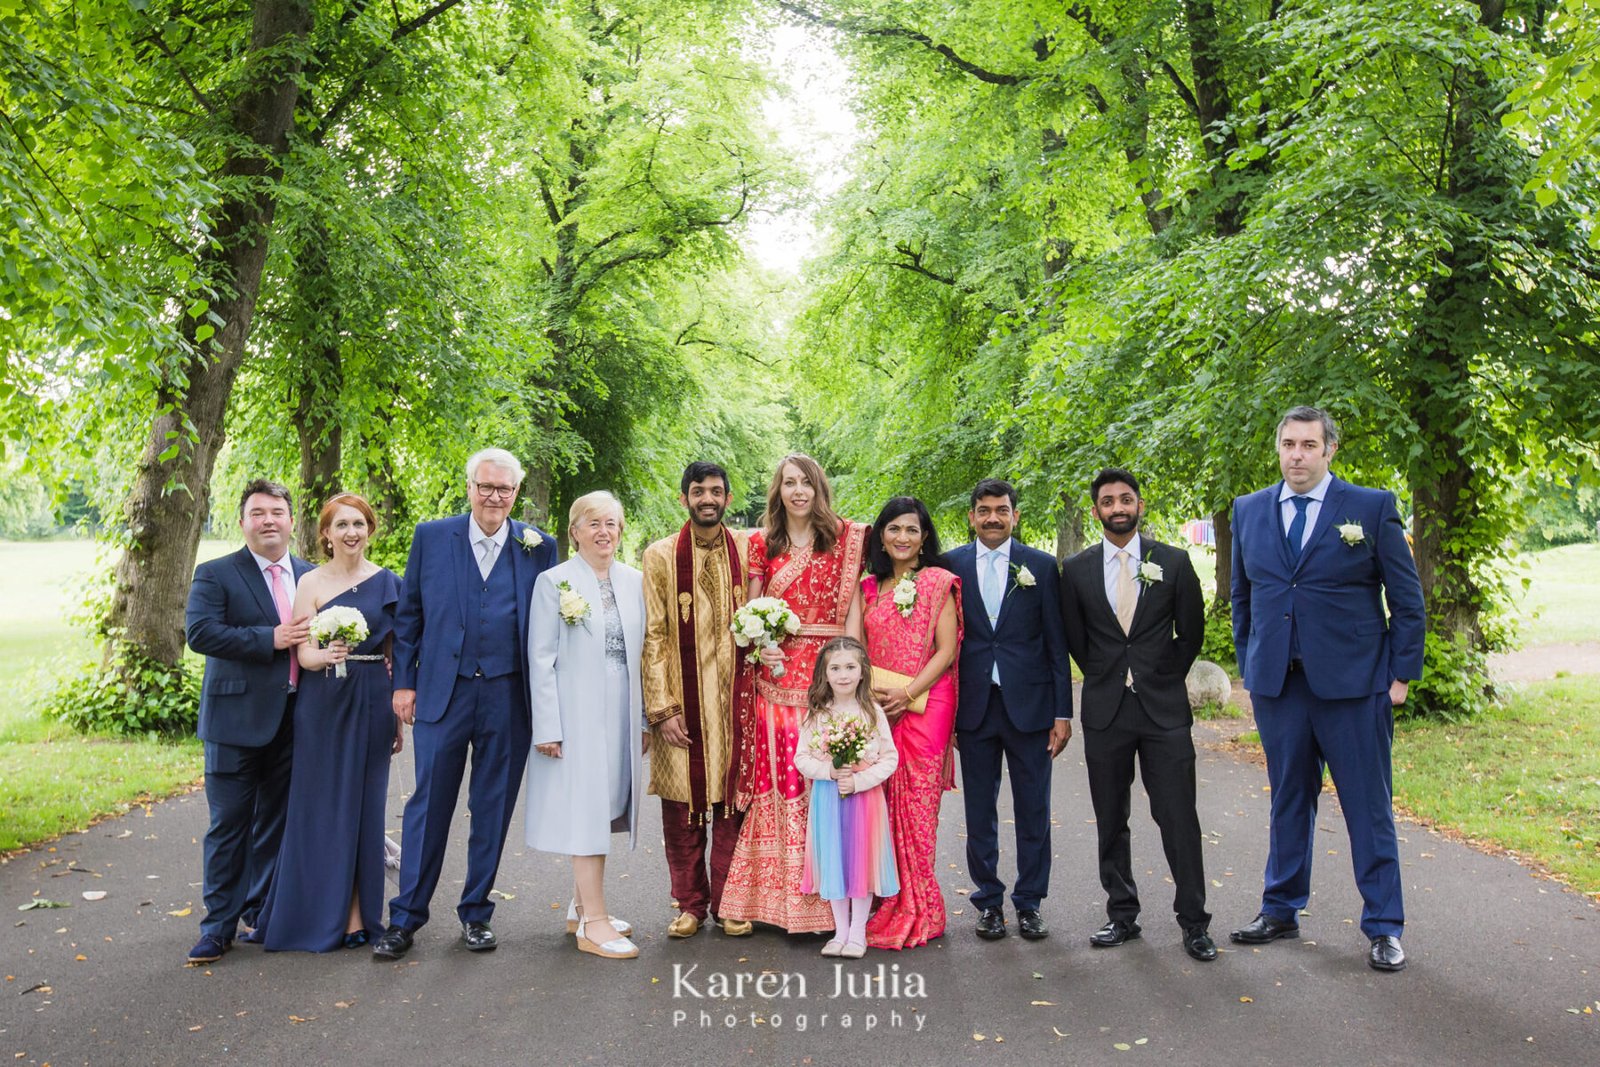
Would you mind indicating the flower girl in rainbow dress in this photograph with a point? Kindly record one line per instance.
(847, 751)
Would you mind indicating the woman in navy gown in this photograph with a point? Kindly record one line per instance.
(328, 889)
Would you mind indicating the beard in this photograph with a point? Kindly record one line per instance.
(698, 517)
(1120, 524)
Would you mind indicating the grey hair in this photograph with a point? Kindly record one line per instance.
(598, 502)
(1305, 413)
(497, 457)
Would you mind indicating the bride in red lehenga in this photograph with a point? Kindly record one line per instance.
(809, 557)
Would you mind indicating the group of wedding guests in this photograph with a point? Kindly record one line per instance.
(560, 678)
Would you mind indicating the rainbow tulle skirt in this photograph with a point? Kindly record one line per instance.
(849, 849)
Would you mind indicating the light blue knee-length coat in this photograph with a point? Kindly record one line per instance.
(569, 799)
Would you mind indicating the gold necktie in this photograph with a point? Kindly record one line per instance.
(1127, 599)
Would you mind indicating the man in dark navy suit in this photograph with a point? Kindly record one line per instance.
(460, 676)
(1015, 703)
(240, 618)
(1314, 561)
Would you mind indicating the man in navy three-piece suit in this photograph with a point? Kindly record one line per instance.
(240, 617)
(1314, 560)
(460, 676)
(1014, 703)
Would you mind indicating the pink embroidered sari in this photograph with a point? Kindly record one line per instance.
(916, 915)
(769, 860)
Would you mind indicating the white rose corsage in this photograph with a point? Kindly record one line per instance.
(529, 540)
(1150, 572)
(905, 595)
(1024, 577)
(1351, 533)
(574, 609)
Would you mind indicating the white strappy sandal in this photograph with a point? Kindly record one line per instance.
(618, 948)
(575, 916)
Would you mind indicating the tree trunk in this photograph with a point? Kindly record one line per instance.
(1222, 531)
(1069, 530)
(536, 496)
(171, 495)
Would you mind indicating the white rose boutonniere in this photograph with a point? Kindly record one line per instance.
(574, 609)
(528, 541)
(1150, 573)
(1351, 533)
(905, 595)
(1023, 576)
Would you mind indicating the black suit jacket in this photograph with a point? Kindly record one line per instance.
(230, 619)
(1168, 629)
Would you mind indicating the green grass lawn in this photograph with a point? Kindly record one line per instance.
(52, 779)
(1525, 776)
(1560, 604)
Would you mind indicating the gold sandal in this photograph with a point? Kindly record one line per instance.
(618, 948)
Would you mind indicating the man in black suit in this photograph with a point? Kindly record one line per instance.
(1135, 622)
(1014, 703)
(240, 617)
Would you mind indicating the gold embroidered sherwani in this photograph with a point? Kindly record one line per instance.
(711, 609)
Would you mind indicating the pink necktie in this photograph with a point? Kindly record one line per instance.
(280, 597)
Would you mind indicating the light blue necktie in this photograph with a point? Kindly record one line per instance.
(993, 589)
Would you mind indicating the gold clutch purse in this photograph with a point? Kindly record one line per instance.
(884, 678)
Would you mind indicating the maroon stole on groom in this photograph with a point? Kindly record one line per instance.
(700, 810)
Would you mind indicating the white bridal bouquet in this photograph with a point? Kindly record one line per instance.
(762, 623)
(339, 624)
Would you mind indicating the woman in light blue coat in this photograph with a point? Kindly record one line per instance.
(585, 635)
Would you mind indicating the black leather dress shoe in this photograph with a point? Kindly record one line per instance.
(1115, 933)
(1198, 944)
(1030, 926)
(392, 943)
(992, 924)
(479, 937)
(1264, 928)
(1386, 954)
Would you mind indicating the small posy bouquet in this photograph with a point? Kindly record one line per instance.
(845, 739)
(762, 623)
(574, 609)
(905, 595)
(339, 624)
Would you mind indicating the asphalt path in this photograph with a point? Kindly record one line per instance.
(1504, 965)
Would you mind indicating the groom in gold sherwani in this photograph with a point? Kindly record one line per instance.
(694, 581)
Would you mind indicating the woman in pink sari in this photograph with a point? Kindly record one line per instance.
(812, 559)
(911, 614)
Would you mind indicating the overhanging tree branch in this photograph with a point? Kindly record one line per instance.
(859, 28)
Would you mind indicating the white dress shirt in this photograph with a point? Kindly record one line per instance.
(286, 562)
(1313, 509)
(477, 536)
(1001, 565)
(1113, 566)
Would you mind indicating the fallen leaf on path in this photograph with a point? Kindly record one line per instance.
(180, 914)
(341, 1003)
(1059, 1033)
(979, 1037)
(1122, 1046)
(37, 987)
(197, 1029)
(1142, 1041)
(1247, 1000)
(1037, 975)
(297, 1020)
(94, 894)
(502, 896)
(41, 902)
(1043, 1003)
(80, 957)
